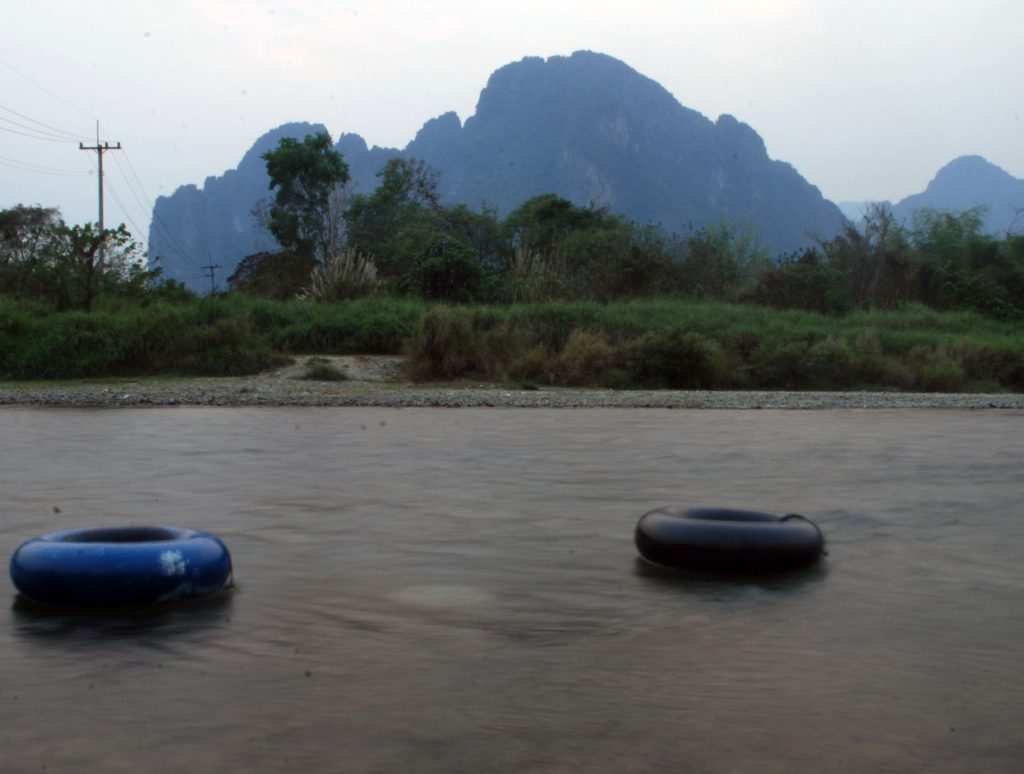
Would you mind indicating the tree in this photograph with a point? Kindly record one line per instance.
(310, 177)
(69, 266)
(604, 256)
(23, 229)
(401, 219)
(85, 261)
(279, 275)
(24, 232)
(803, 281)
(876, 259)
(542, 222)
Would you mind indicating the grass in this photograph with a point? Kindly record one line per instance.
(319, 369)
(650, 343)
(678, 344)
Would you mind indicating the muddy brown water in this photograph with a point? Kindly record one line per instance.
(457, 590)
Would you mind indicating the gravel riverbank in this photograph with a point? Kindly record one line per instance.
(377, 381)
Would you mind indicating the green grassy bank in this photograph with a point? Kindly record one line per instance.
(652, 343)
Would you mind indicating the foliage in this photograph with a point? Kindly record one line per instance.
(448, 271)
(541, 223)
(161, 338)
(534, 276)
(67, 266)
(279, 275)
(400, 219)
(309, 176)
(348, 274)
(805, 281)
(374, 324)
(320, 369)
(674, 358)
(713, 345)
(552, 249)
(719, 261)
(594, 247)
(24, 231)
(649, 343)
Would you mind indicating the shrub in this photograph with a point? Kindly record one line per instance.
(674, 358)
(226, 347)
(533, 276)
(448, 271)
(587, 359)
(443, 346)
(279, 275)
(349, 274)
(830, 363)
(780, 364)
(319, 369)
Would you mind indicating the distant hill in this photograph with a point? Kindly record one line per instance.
(967, 182)
(587, 127)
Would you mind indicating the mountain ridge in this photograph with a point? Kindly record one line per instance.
(586, 127)
(967, 182)
(964, 183)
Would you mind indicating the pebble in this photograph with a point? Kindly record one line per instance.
(376, 380)
(262, 390)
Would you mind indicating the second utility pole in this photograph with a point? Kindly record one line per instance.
(100, 149)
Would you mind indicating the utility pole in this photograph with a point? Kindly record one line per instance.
(100, 149)
(209, 272)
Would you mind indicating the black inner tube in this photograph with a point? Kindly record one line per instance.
(723, 539)
(788, 516)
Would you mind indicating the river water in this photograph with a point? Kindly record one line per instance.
(457, 591)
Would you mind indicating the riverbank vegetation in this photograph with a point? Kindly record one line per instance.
(552, 294)
(652, 343)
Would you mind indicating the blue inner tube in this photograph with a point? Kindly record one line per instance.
(727, 540)
(120, 566)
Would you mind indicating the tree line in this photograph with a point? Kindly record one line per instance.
(401, 239)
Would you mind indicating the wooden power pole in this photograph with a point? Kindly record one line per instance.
(100, 150)
(209, 271)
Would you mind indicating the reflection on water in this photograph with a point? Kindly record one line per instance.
(435, 590)
(98, 628)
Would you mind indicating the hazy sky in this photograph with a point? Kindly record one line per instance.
(866, 98)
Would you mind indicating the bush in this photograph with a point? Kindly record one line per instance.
(587, 359)
(349, 274)
(676, 359)
(443, 346)
(807, 283)
(533, 277)
(319, 369)
(279, 275)
(448, 272)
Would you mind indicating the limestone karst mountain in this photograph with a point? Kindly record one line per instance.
(586, 126)
(972, 181)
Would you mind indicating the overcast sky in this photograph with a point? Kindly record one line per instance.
(866, 98)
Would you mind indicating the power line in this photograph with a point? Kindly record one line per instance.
(42, 88)
(56, 134)
(138, 188)
(29, 167)
(124, 210)
(131, 187)
(34, 136)
(41, 133)
(70, 135)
